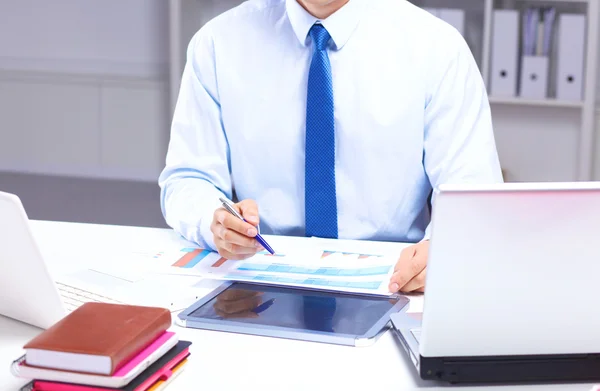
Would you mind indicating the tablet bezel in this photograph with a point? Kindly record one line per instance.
(368, 338)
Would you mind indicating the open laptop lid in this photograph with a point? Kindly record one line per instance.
(27, 290)
(513, 269)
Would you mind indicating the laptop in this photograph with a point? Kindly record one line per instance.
(512, 290)
(30, 294)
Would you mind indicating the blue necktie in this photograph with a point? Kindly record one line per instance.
(320, 199)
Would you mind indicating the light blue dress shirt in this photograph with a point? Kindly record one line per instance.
(411, 112)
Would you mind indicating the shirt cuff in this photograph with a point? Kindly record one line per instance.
(427, 235)
(206, 237)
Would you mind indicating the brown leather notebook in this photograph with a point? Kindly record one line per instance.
(97, 338)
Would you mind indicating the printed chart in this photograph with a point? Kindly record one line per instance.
(316, 271)
(196, 261)
(333, 270)
(207, 263)
(193, 256)
(327, 253)
(353, 286)
(265, 253)
(314, 268)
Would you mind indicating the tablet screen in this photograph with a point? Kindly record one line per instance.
(296, 308)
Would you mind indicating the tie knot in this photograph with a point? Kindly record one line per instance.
(320, 36)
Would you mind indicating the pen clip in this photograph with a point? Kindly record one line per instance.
(227, 205)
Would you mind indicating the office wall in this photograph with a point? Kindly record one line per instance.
(86, 126)
(123, 37)
(83, 87)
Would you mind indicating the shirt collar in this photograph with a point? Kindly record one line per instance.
(340, 25)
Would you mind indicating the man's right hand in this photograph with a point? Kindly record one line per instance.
(237, 303)
(233, 237)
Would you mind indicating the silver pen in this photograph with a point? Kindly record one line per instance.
(228, 205)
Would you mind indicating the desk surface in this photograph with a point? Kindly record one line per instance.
(233, 361)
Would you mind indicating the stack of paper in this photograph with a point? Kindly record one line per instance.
(310, 263)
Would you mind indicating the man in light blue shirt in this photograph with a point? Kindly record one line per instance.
(331, 118)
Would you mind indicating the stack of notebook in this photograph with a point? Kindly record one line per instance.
(102, 346)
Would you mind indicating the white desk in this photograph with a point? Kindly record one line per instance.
(222, 361)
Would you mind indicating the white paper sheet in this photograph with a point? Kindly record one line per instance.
(348, 266)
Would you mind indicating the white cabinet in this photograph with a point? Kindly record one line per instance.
(83, 126)
(48, 126)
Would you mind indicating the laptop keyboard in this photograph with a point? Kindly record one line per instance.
(417, 334)
(75, 297)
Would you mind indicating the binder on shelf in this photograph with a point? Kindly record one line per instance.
(537, 33)
(570, 57)
(454, 17)
(504, 58)
(534, 77)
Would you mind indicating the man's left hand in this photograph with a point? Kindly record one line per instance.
(410, 270)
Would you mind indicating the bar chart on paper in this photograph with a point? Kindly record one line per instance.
(332, 270)
(315, 268)
(348, 255)
(375, 286)
(185, 260)
(208, 263)
(315, 271)
(191, 258)
(307, 264)
(135, 264)
(196, 260)
(267, 254)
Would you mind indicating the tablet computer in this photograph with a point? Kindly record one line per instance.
(295, 313)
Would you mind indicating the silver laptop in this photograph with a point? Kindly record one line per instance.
(513, 285)
(29, 294)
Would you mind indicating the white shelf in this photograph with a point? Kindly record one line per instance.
(535, 102)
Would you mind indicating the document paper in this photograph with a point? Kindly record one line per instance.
(308, 263)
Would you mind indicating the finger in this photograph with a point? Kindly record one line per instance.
(402, 272)
(402, 277)
(407, 271)
(405, 256)
(417, 283)
(227, 249)
(395, 281)
(231, 222)
(241, 305)
(236, 294)
(249, 211)
(214, 226)
(237, 240)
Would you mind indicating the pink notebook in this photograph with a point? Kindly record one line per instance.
(122, 377)
(162, 371)
(140, 358)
